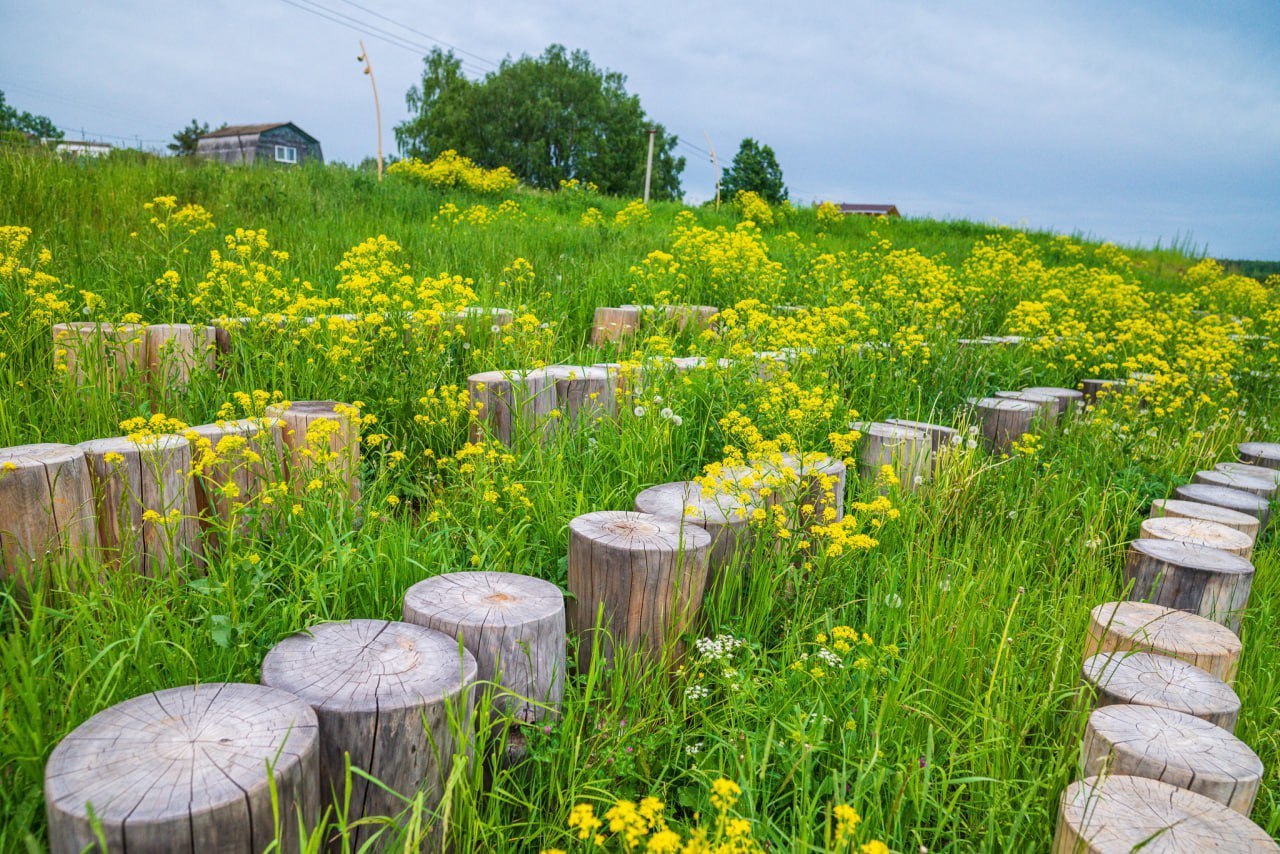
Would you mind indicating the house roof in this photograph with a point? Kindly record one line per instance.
(884, 210)
(253, 130)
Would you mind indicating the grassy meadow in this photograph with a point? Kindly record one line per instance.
(917, 663)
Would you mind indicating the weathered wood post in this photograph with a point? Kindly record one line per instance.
(1175, 748)
(1120, 813)
(1263, 488)
(645, 573)
(1070, 401)
(322, 438)
(940, 437)
(187, 769)
(1265, 454)
(1178, 509)
(513, 624)
(1232, 499)
(1205, 581)
(1144, 679)
(391, 696)
(1143, 627)
(46, 508)
(1093, 388)
(904, 449)
(614, 324)
(685, 316)
(1004, 421)
(236, 463)
(1260, 472)
(510, 404)
(109, 355)
(175, 351)
(584, 392)
(820, 486)
(1198, 532)
(146, 501)
(1047, 404)
(725, 517)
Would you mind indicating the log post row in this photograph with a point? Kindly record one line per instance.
(1004, 421)
(509, 404)
(906, 450)
(323, 442)
(46, 509)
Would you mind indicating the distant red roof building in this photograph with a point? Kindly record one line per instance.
(870, 210)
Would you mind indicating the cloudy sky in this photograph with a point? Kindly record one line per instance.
(1135, 122)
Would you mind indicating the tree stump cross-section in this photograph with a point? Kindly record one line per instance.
(1265, 454)
(1144, 679)
(1143, 627)
(1210, 582)
(1224, 496)
(1198, 532)
(1177, 508)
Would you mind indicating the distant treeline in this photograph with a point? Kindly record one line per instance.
(1254, 269)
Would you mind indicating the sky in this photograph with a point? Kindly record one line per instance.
(1132, 122)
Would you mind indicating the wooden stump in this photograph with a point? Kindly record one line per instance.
(1144, 679)
(1232, 499)
(645, 572)
(906, 450)
(1175, 748)
(1121, 814)
(1198, 532)
(614, 324)
(510, 404)
(385, 693)
(514, 625)
(1070, 401)
(696, 316)
(1093, 388)
(46, 508)
(819, 485)
(1143, 627)
(175, 351)
(146, 502)
(186, 769)
(1004, 421)
(940, 438)
(584, 392)
(1260, 472)
(1048, 405)
(235, 463)
(107, 355)
(1265, 454)
(1175, 508)
(1205, 581)
(1233, 480)
(323, 442)
(725, 517)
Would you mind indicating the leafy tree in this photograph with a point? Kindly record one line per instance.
(185, 140)
(28, 123)
(549, 119)
(755, 168)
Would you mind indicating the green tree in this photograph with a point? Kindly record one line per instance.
(548, 119)
(185, 140)
(13, 120)
(755, 167)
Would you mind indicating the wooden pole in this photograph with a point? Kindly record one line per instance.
(715, 161)
(235, 463)
(613, 324)
(176, 351)
(509, 404)
(1144, 679)
(904, 449)
(1206, 581)
(1070, 401)
(1004, 421)
(106, 355)
(1144, 627)
(648, 166)
(377, 108)
(46, 509)
(583, 392)
(1177, 508)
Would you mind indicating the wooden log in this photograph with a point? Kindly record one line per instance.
(1205, 581)
(235, 464)
(513, 624)
(511, 404)
(1070, 401)
(628, 379)
(1198, 532)
(1265, 454)
(723, 515)
(145, 500)
(1093, 388)
(646, 574)
(385, 694)
(1260, 472)
(322, 438)
(820, 486)
(1177, 508)
(1234, 480)
(940, 438)
(697, 317)
(1232, 499)
(106, 355)
(1145, 679)
(186, 769)
(1143, 627)
(1004, 421)
(906, 450)
(1175, 748)
(1049, 406)
(584, 392)
(175, 351)
(614, 324)
(1119, 814)
(46, 509)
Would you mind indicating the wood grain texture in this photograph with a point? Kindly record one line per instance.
(509, 405)
(1177, 508)
(513, 624)
(940, 437)
(110, 356)
(1260, 472)
(614, 324)
(1120, 814)
(47, 512)
(1050, 407)
(315, 449)
(186, 769)
(1070, 401)
(645, 574)
(723, 515)
(1003, 421)
(906, 450)
(133, 479)
(1232, 499)
(1205, 581)
(819, 484)
(584, 393)
(1146, 679)
(1094, 387)
(384, 693)
(1175, 748)
(1265, 454)
(1235, 480)
(1198, 532)
(235, 462)
(176, 351)
(1143, 627)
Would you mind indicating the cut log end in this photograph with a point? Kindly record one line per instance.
(1142, 627)
(1198, 532)
(1144, 679)
(1177, 508)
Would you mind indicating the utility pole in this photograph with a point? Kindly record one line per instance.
(377, 109)
(716, 163)
(648, 168)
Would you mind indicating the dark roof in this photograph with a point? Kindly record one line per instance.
(882, 210)
(254, 130)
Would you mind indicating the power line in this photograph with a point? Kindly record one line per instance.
(441, 42)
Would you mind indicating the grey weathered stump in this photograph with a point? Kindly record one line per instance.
(145, 500)
(906, 450)
(112, 355)
(175, 351)
(513, 624)
(940, 437)
(614, 324)
(725, 517)
(1265, 454)
(1070, 401)
(1260, 472)
(187, 769)
(1120, 814)
(1198, 532)
(1178, 509)
(235, 464)
(386, 694)
(1050, 407)
(1232, 499)
(584, 392)
(1175, 748)
(1234, 480)
(1093, 388)
(646, 573)
(510, 404)
(1146, 679)
(1143, 627)
(1205, 581)
(322, 438)
(46, 508)
(1004, 421)
(480, 318)
(696, 316)
(821, 482)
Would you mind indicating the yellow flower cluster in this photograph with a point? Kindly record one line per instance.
(828, 213)
(753, 208)
(635, 211)
(170, 219)
(451, 169)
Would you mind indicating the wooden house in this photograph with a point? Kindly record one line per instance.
(870, 210)
(278, 142)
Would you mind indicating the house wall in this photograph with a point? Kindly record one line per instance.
(286, 135)
(228, 149)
